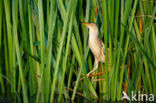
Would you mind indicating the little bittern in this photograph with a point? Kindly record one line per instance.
(96, 45)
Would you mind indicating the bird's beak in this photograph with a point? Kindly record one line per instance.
(87, 24)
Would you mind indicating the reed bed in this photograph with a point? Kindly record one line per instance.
(44, 49)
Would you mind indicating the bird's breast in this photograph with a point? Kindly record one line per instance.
(95, 47)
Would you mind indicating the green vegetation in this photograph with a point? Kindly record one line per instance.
(44, 49)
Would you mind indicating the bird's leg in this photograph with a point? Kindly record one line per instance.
(95, 67)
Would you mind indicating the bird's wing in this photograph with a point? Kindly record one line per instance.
(99, 49)
(102, 46)
(102, 52)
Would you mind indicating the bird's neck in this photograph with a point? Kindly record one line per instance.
(93, 33)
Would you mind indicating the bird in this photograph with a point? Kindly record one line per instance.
(96, 45)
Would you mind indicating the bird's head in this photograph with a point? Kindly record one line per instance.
(93, 29)
(90, 25)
